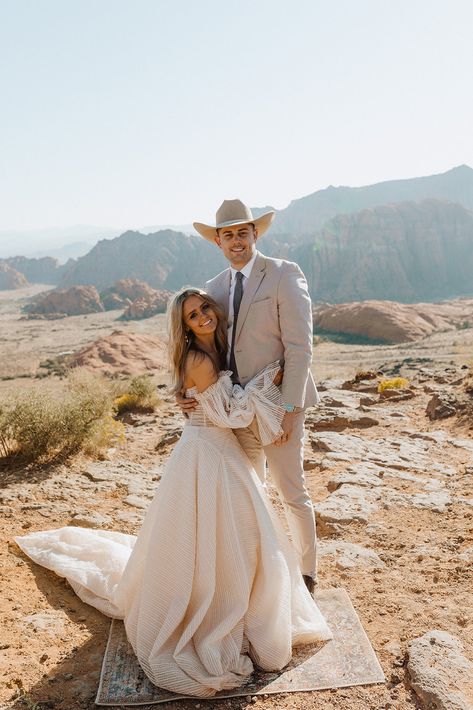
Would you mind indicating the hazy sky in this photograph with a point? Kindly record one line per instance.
(143, 112)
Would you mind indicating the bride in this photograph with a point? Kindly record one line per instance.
(211, 583)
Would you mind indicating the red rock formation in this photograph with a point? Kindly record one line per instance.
(406, 252)
(73, 301)
(147, 306)
(123, 353)
(393, 322)
(124, 292)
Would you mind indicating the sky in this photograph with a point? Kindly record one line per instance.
(145, 112)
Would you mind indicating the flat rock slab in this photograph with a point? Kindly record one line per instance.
(346, 505)
(350, 555)
(347, 660)
(438, 501)
(439, 673)
(339, 398)
(340, 419)
(402, 454)
(353, 477)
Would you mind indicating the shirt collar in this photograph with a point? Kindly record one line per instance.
(246, 270)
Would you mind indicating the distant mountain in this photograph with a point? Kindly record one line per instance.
(68, 251)
(407, 252)
(307, 215)
(45, 270)
(403, 240)
(165, 260)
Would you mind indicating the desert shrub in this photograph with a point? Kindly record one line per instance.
(394, 384)
(138, 394)
(40, 427)
(126, 403)
(108, 432)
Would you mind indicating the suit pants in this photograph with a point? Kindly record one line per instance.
(286, 469)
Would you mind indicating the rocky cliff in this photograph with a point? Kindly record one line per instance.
(406, 252)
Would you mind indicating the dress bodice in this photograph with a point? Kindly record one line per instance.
(227, 405)
(197, 417)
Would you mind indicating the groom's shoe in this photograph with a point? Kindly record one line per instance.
(310, 583)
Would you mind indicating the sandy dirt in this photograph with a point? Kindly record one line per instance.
(51, 644)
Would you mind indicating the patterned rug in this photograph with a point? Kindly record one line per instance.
(348, 659)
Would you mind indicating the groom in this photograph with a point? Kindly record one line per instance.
(269, 318)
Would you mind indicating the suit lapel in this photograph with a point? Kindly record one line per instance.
(257, 275)
(222, 291)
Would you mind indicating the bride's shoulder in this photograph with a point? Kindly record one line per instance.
(199, 370)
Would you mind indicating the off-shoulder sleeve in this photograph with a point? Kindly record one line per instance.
(228, 405)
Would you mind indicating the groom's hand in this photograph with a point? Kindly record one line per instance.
(186, 404)
(287, 425)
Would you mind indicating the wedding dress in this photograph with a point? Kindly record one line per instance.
(211, 582)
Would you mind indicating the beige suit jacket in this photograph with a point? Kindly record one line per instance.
(274, 323)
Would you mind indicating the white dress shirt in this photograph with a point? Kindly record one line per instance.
(246, 271)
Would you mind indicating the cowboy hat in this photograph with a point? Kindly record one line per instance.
(230, 213)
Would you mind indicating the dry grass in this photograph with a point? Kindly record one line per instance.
(40, 427)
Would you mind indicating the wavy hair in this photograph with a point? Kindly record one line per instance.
(182, 341)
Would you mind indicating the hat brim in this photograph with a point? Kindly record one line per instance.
(262, 223)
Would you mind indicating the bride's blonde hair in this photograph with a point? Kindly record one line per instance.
(182, 341)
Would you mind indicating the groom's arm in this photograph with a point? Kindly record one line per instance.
(295, 322)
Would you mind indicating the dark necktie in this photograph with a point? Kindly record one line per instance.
(237, 295)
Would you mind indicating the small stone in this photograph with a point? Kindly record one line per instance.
(91, 520)
(136, 501)
(44, 658)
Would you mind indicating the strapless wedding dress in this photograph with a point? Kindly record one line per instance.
(211, 584)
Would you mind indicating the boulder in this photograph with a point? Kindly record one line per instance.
(441, 406)
(439, 673)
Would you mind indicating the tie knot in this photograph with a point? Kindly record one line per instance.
(239, 276)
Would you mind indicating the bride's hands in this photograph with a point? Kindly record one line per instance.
(278, 377)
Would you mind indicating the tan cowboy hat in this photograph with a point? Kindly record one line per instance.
(230, 213)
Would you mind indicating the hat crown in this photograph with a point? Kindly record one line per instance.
(231, 211)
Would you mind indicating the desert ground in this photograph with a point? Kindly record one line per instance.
(393, 492)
